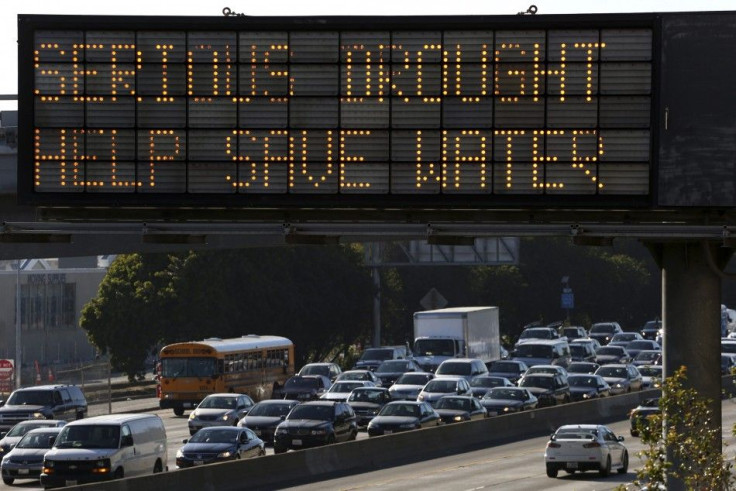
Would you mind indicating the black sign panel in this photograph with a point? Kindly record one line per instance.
(337, 112)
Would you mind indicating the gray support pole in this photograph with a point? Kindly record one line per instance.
(691, 316)
(18, 346)
(375, 273)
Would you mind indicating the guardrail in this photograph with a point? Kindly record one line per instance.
(317, 464)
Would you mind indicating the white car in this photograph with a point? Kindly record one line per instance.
(340, 391)
(581, 448)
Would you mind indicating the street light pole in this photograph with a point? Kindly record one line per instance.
(18, 364)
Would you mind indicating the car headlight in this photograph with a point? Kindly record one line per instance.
(281, 431)
(458, 418)
(587, 395)
(193, 415)
(318, 431)
(408, 426)
(38, 415)
(225, 455)
(508, 409)
(620, 386)
(179, 454)
(225, 417)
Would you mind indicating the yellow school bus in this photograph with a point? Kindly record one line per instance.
(247, 365)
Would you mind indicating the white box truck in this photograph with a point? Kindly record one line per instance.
(458, 332)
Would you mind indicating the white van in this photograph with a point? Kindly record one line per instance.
(106, 447)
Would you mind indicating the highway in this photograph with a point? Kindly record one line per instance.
(514, 466)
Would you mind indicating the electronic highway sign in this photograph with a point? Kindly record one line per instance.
(340, 112)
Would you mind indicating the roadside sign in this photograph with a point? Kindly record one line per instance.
(568, 300)
(6, 375)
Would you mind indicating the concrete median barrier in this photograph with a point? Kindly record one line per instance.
(380, 452)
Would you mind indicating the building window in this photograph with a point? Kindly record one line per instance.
(48, 302)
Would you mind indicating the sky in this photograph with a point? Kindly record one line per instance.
(9, 10)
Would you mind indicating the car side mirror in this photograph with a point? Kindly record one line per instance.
(283, 417)
(52, 439)
(2, 402)
(184, 440)
(3, 433)
(127, 441)
(243, 438)
(620, 438)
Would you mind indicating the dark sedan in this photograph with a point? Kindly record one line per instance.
(584, 387)
(367, 402)
(219, 444)
(510, 369)
(548, 388)
(483, 383)
(399, 416)
(639, 345)
(303, 387)
(582, 367)
(606, 355)
(315, 423)
(390, 370)
(505, 400)
(266, 416)
(454, 409)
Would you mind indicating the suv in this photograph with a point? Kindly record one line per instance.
(64, 402)
(373, 357)
(461, 367)
(315, 423)
(550, 389)
(604, 331)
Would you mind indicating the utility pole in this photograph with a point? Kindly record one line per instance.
(18, 364)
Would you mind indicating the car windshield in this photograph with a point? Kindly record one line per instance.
(440, 385)
(532, 381)
(639, 345)
(215, 435)
(506, 394)
(393, 366)
(533, 351)
(188, 367)
(315, 370)
(377, 354)
(355, 376)
(647, 355)
(504, 367)
(408, 410)
(270, 409)
(533, 333)
(434, 347)
(578, 350)
(43, 439)
(581, 368)
(486, 382)
(454, 368)
(414, 379)
(571, 332)
(458, 403)
(651, 371)
(539, 369)
(345, 386)
(583, 382)
(367, 395)
(22, 428)
(323, 413)
(626, 336)
(616, 372)
(602, 329)
(88, 436)
(610, 350)
(218, 402)
(301, 383)
(31, 398)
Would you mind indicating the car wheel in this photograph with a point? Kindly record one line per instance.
(119, 473)
(353, 435)
(606, 470)
(624, 463)
(330, 439)
(567, 400)
(179, 411)
(262, 452)
(551, 471)
(8, 480)
(158, 467)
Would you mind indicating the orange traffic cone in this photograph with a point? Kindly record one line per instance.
(51, 375)
(38, 377)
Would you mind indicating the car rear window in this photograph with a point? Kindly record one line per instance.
(574, 435)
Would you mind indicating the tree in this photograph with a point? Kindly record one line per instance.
(683, 426)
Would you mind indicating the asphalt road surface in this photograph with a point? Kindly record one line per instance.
(515, 466)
